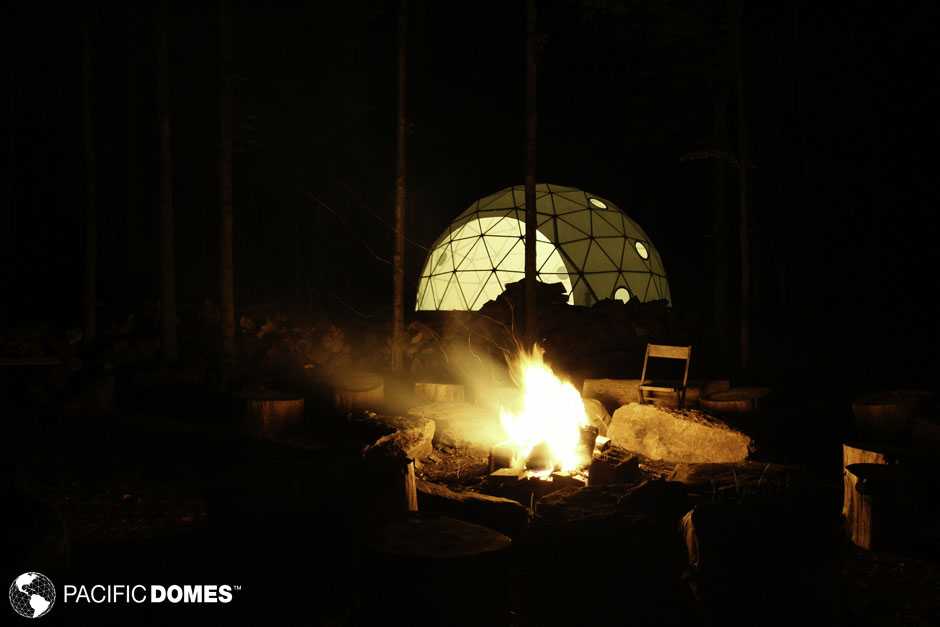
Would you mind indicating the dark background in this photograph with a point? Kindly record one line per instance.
(841, 112)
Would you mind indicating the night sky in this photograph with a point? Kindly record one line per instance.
(841, 117)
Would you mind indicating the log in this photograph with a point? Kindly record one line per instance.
(439, 392)
(359, 391)
(879, 507)
(391, 486)
(862, 453)
(735, 401)
(435, 570)
(888, 416)
(269, 412)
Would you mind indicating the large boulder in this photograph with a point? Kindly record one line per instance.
(678, 436)
(461, 425)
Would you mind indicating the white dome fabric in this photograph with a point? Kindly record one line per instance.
(583, 242)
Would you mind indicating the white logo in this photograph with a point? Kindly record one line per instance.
(32, 595)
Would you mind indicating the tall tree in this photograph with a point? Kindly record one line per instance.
(744, 234)
(720, 229)
(133, 170)
(226, 270)
(167, 224)
(531, 221)
(398, 259)
(89, 283)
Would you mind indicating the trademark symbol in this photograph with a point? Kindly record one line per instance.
(236, 588)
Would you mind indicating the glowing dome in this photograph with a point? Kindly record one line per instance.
(583, 242)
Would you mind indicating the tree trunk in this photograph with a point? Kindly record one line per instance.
(89, 284)
(226, 270)
(167, 227)
(744, 234)
(133, 244)
(720, 233)
(398, 259)
(531, 220)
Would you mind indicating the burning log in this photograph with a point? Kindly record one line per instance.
(540, 458)
(501, 456)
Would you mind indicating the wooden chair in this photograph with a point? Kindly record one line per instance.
(661, 351)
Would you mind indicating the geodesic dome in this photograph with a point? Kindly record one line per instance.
(583, 241)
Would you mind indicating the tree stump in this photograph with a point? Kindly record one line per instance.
(440, 392)
(269, 412)
(861, 453)
(735, 401)
(390, 484)
(435, 570)
(888, 416)
(879, 506)
(358, 391)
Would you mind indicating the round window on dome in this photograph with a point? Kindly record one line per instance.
(641, 250)
(600, 204)
(622, 294)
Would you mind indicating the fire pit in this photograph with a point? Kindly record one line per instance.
(549, 442)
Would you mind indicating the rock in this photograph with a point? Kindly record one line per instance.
(504, 515)
(412, 435)
(597, 415)
(461, 425)
(679, 436)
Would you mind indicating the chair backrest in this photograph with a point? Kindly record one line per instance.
(664, 351)
(668, 352)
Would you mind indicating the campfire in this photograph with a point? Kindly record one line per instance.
(549, 431)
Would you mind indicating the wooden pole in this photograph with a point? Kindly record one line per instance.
(226, 265)
(531, 220)
(89, 284)
(744, 235)
(167, 224)
(398, 259)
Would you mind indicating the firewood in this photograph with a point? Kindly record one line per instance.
(440, 392)
(269, 412)
(862, 453)
(879, 507)
(735, 400)
(359, 391)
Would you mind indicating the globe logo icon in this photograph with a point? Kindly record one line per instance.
(32, 595)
